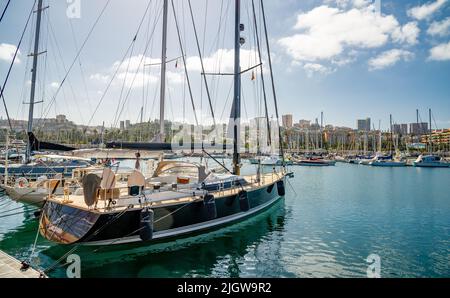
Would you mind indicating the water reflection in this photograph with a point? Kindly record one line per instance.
(330, 221)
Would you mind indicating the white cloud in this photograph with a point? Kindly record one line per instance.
(175, 77)
(347, 3)
(131, 70)
(54, 85)
(99, 77)
(389, 58)
(328, 32)
(407, 34)
(439, 28)
(314, 68)
(135, 63)
(7, 52)
(440, 52)
(360, 3)
(223, 60)
(426, 10)
(135, 81)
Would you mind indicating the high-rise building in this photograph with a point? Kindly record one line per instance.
(287, 121)
(401, 129)
(122, 125)
(418, 128)
(363, 124)
(61, 118)
(315, 125)
(127, 124)
(304, 123)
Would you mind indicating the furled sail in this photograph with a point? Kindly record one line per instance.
(36, 145)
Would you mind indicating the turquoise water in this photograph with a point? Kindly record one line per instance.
(330, 221)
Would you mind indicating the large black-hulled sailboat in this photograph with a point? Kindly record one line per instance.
(181, 198)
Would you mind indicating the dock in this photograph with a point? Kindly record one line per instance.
(11, 268)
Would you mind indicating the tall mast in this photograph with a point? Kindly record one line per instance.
(262, 74)
(321, 130)
(379, 137)
(430, 132)
(35, 55)
(392, 136)
(237, 88)
(161, 136)
(272, 80)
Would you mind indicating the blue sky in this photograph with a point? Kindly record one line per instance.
(346, 58)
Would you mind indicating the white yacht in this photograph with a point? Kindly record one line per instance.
(431, 161)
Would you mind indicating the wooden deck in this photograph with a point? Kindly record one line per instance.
(165, 197)
(10, 268)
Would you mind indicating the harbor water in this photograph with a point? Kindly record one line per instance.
(330, 221)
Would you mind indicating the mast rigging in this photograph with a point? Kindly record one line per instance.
(35, 55)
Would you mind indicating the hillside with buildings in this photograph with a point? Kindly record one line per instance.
(297, 134)
(314, 135)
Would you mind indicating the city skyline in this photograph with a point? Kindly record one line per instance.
(320, 62)
(287, 121)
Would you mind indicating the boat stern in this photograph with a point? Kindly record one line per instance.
(65, 224)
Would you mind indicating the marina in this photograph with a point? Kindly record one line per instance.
(213, 176)
(326, 228)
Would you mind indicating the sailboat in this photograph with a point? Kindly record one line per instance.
(390, 160)
(181, 198)
(315, 162)
(274, 160)
(379, 161)
(430, 160)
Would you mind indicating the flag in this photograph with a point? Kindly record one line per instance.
(176, 64)
(253, 76)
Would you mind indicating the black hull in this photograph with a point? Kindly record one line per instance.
(67, 225)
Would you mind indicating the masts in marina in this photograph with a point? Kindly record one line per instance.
(161, 136)
(391, 134)
(35, 55)
(379, 137)
(238, 27)
(430, 131)
(262, 74)
(269, 59)
(321, 130)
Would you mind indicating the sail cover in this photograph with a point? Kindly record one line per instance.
(37, 145)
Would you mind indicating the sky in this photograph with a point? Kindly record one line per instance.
(348, 58)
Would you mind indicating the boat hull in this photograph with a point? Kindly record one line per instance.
(278, 163)
(27, 195)
(313, 164)
(431, 165)
(316, 163)
(365, 162)
(254, 161)
(65, 224)
(388, 164)
(32, 195)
